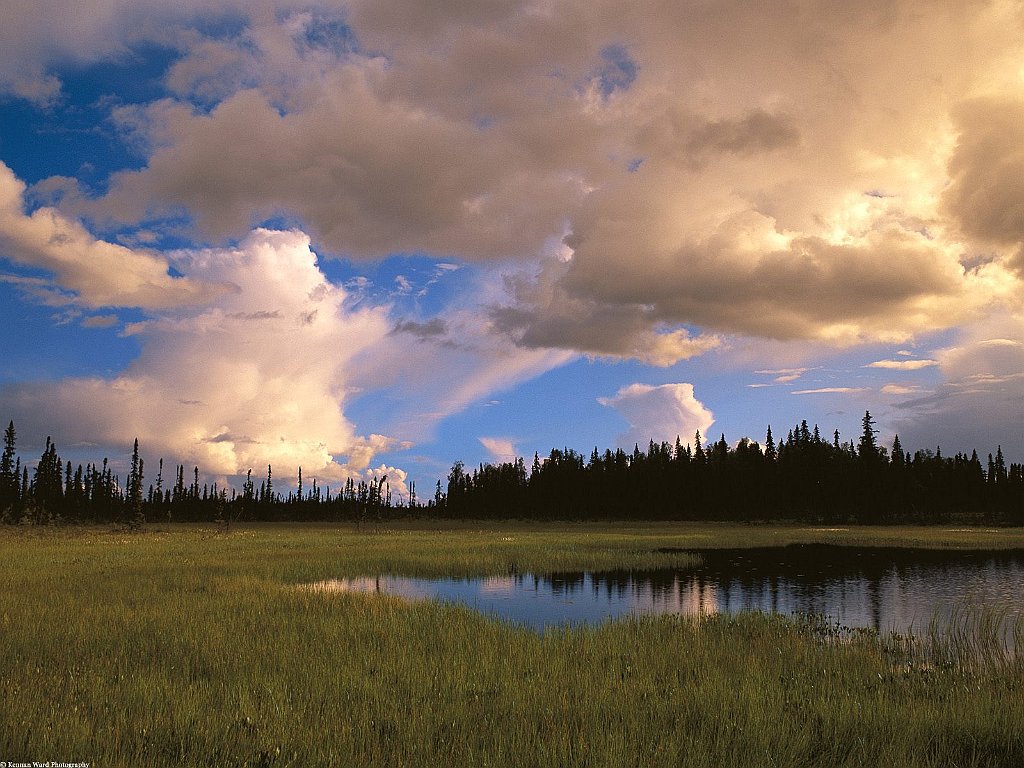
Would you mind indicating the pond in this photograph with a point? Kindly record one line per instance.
(886, 589)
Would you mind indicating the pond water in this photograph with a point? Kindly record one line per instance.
(881, 588)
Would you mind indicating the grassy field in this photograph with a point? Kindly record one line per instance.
(186, 646)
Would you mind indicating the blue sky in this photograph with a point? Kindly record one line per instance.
(365, 239)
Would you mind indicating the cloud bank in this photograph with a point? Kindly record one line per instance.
(259, 377)
(640, 181)
(980, 403)
(754, 170)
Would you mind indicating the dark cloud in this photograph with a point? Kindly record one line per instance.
(706, 168)
(262, 314)
(432, 329)
(986, 192)
(758, 131)
(980, 403)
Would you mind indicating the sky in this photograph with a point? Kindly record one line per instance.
(367, 238)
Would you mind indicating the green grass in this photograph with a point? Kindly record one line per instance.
(183, 646)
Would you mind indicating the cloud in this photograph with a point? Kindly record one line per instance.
(698, 176)
(403, 286)
(100, 321)
(431, 329)
(367, 174)
(900, 389)
(903, 365)
(502, 449)
(542, 314)
(260, 377)
(980, 402)
(828, 391)
(433, 368)
(40, 35)
(100, 274)
(986, 193)
(785, 375)
(656, 184)
(660, 413)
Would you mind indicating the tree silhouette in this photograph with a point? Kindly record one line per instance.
(867, 449)
(9, 490)
(800, 478)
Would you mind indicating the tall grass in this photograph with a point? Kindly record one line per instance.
(191, 648)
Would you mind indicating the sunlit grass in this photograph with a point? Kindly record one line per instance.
(189, 647)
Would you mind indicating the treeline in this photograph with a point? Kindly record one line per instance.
(56, 492)
(804, 477)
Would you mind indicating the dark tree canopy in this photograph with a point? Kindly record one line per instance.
(803, 477)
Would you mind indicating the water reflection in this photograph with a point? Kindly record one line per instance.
(885, 589)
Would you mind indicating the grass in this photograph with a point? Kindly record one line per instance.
(184, 646)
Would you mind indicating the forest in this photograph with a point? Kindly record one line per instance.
(801, 477)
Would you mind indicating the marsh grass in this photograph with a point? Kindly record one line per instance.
(188, 647)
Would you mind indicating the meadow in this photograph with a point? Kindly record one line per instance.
(190, 645)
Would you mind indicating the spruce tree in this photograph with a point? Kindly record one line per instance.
(1000, 465)
(136, 518)
(868, 448)
(8, 471)
(49, 478)
(897, 452)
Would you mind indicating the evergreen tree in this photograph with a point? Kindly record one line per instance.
(179, 485)
(8, 471)
(160, 479)
(897, 452)
(48, 489)
(999, 465)
(134, 501)
(698, 451)
(868, 448)
(247, 487)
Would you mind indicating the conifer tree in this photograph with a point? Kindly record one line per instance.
(135, 476)
(8, 471)
(999, 465)
(897, 452)
(49, 478)
(868, 448)
(769, 449)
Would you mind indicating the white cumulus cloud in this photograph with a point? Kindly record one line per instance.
(660, 413)
(97, 273)
(502, 449)
(260, 377)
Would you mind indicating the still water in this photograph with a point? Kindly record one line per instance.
(886, 589)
